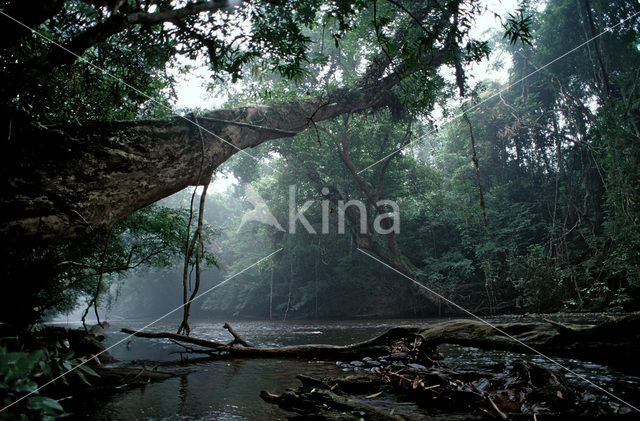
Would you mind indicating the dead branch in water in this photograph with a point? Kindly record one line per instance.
(375, 346)
(613, 343)
(236, 338)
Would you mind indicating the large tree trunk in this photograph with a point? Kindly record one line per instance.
(65, 181)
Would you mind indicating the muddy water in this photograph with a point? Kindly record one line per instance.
(228, 390)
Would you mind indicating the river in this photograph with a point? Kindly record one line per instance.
(229, 389)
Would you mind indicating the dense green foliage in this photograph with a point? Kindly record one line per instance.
(558, 156)
(23, 372)
(134, 42)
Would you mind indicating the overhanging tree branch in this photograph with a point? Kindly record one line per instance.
(106, 170)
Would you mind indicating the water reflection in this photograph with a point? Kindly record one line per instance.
(215, 390)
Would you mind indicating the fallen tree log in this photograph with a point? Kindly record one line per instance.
(176, 337)
(612, 343)
(376, 346)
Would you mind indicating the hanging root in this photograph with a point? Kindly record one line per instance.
(94, 300)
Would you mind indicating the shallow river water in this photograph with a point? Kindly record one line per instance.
(229, 390)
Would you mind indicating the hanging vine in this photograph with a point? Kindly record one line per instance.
(194, 243)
